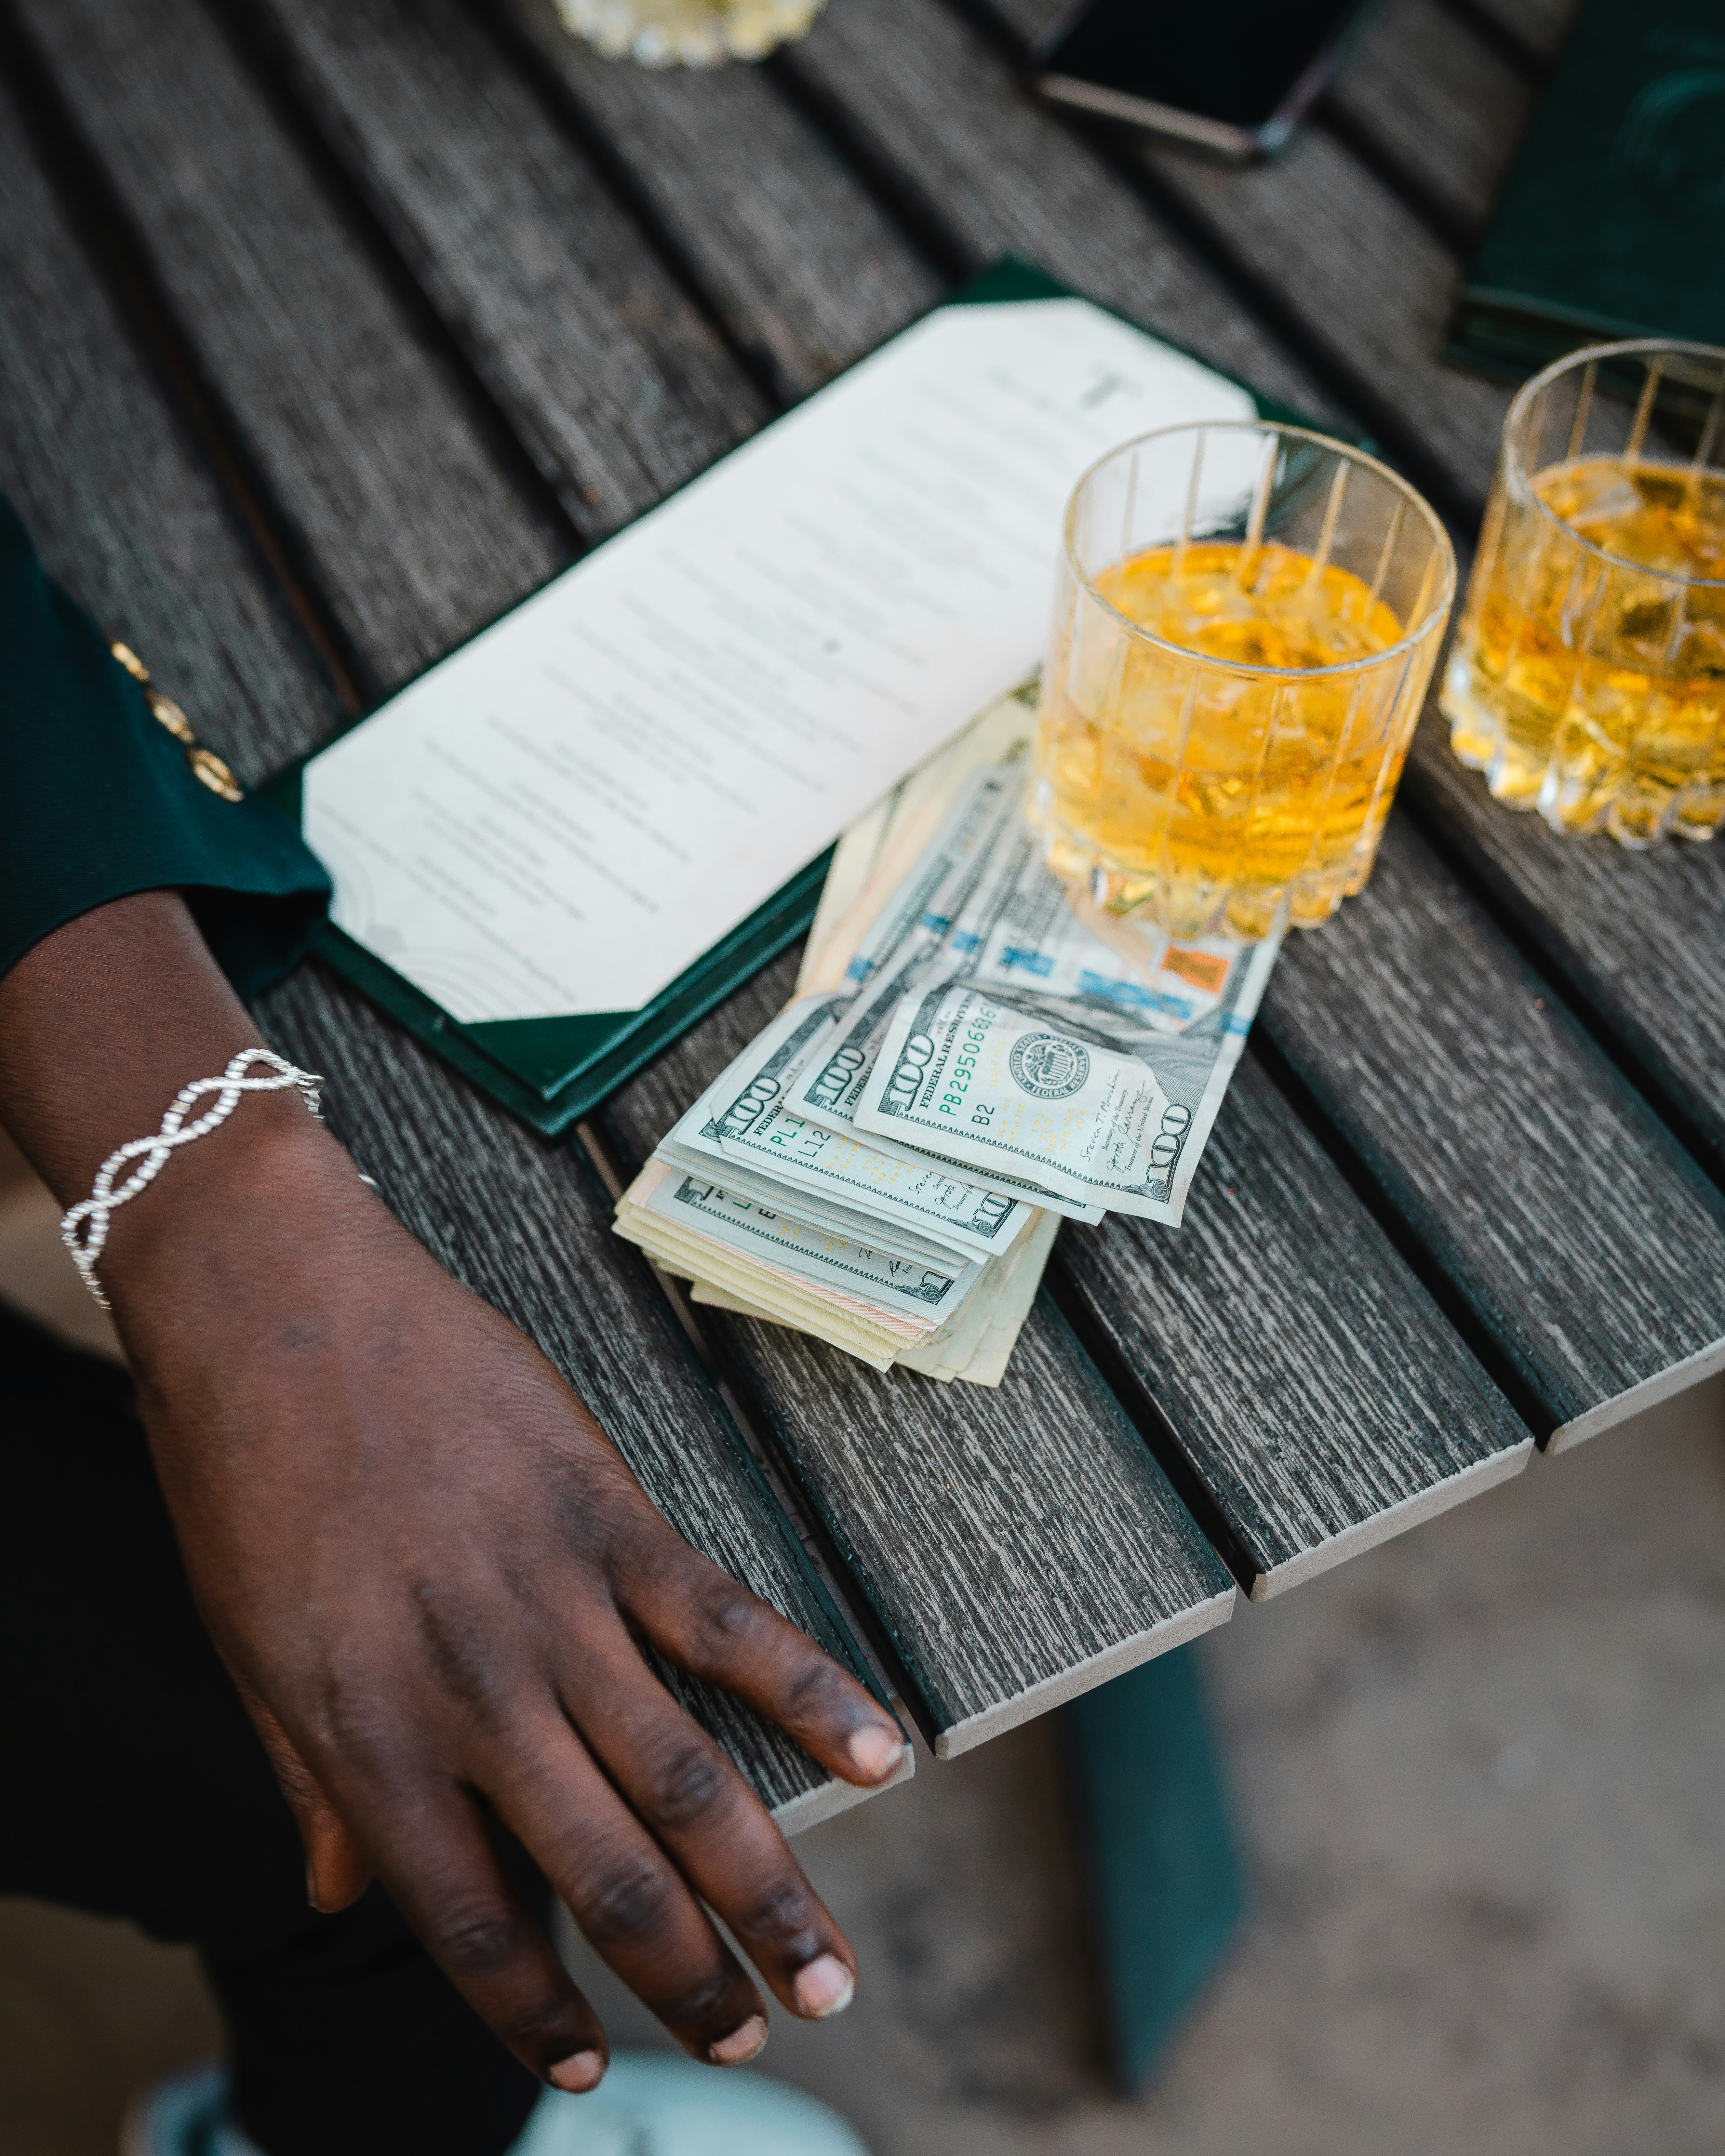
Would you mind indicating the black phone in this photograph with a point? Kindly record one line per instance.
(1234, 77)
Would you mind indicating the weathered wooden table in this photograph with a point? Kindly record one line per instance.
(329, 327)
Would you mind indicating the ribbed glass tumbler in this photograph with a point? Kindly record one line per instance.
(1247, 617)
(1588, 676)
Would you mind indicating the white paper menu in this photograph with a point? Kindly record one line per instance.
(564, 815)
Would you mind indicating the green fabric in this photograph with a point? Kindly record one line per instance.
(1612, 223)
(98, 800)
(1166, 1886)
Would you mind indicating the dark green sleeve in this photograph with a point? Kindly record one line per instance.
(98, 799)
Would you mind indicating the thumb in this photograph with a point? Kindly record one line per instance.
(336, 1874)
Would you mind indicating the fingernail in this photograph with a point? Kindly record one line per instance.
(824, 1988)
(876, 1750)
(580, 2071)
(311, 1887)
(742, 2045)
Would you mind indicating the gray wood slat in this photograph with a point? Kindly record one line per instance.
(372, 463)
(1028, 1537)
(1017, 1546)
(751, 197)
(946, 115)
(1441, 104)
(1585, 1241)
(1318, 1392)
(87, 447)
(1642, 963)
(606, 370)
(1634, 936)
(1644, 968)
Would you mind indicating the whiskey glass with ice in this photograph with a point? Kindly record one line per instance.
(1588, 676)
(1246, 619)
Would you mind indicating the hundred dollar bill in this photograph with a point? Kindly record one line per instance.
(936, 889)
(831, 1080)
(877, 1338)
(983, 1083)
(986, 1363)
(973, 1344)
(977, 1344)
(1015, 931)
(913, 1287)
(935, 1196)
(875, 858)
(976, 1081)
(761, 1077)
(814, 1210)
(744, 1117)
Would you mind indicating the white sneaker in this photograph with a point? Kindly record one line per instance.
(661, 2103)
(650, 2104)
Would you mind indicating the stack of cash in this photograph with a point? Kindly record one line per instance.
(973, 1057)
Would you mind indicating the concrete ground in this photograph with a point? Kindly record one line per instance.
(1482, 1778)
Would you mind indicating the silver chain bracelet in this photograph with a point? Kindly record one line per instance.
(85, 1228)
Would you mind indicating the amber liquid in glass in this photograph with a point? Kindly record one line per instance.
(1188, 781)
(1593, 686)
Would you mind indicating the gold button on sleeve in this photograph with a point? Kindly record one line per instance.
(168, 714)
(214, 774)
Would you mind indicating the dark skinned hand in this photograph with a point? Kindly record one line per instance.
(425, 1565)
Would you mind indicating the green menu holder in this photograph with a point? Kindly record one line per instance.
(551, 1071)
(1612, 222)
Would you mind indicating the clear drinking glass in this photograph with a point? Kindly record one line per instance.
(697, 33)
(1246, 617)
(1588, 676)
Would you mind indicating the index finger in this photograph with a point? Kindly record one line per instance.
(715, 1627)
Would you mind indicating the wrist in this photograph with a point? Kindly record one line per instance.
(224, 1200)
(100, 1024)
